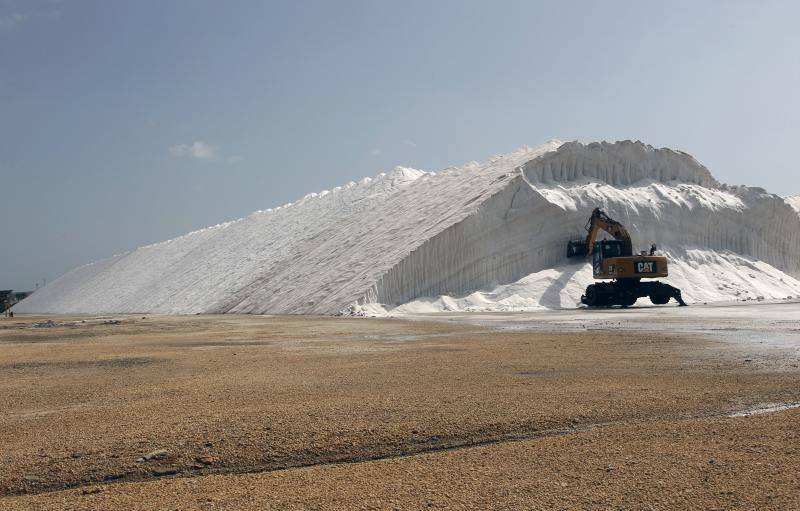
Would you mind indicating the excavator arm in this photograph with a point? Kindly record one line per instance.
(600, 221)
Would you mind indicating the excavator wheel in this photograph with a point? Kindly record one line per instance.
(661, 292)
(659, 299)
(597, 295)
(590, 298)
(605, 295)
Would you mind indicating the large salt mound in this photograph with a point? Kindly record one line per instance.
(411, 234)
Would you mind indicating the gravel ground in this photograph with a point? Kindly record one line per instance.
(259, 412)
(703, 464)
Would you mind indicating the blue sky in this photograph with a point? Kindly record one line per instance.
(126, 123)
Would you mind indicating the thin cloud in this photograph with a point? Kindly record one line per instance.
(410, 143)
(197, 149)
(12, 20)
(374, 152)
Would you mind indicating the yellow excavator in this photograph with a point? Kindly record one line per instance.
(614, 260)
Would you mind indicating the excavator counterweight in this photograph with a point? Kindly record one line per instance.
(614, 260)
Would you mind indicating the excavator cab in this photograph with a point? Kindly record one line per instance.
(609, 248)
(603, 250)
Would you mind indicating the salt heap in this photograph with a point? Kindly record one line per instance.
(483, 236)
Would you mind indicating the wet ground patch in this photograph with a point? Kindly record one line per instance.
(764, 408)
(110, 363)
(540, 373)
(440, 349)
(212, 344)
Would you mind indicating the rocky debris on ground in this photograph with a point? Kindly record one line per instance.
(44, 324)
(159, 454)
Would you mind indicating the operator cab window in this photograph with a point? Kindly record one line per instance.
(611, 248)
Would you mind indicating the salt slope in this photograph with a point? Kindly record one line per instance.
(411, 234)
(314, 256)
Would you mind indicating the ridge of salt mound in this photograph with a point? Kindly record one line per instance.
(618, 164)
(794, 202)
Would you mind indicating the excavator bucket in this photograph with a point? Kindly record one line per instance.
(577, 248)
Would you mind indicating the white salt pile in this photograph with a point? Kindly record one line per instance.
(483, 236)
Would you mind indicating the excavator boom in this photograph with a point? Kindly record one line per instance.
(597, 222)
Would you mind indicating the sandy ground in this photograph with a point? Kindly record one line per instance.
(555, 411)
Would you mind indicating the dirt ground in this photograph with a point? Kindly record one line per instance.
(256, 412)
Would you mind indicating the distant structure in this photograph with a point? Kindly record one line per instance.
(8, 298)
(21, 295)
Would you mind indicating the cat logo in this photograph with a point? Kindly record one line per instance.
(646, 267)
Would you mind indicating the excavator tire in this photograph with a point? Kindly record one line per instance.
(600, 295)
(660, 293)
(590, 297)
(659, 299)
